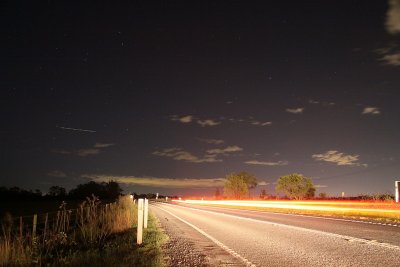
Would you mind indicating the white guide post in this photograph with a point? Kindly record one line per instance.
(146, 212)
(140, 222)
(397, 194)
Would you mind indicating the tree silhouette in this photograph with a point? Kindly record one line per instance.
(235, 186)
(109, 190)
(295, 186)
(57, 191)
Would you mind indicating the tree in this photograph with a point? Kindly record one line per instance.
(86, 190)
(311, 192)
(249, 179)
(322, 195)
(235, 186)
(263, 194)
(57, 191)
(217, 193)
(109, 190)
(113, 190)
(295, 186)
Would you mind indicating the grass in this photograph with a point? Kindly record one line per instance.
(123, 251)
(94, 234)
(382, 211)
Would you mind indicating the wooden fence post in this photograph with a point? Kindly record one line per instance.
(45, 227)
(34, 226)
(20, 227)
(146, 212)
(140, 222)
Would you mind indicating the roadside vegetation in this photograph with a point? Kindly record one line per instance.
(238, 185)
(92, 235)
(296, 187)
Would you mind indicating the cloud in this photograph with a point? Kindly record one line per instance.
(186, 119)
(389, 55)
(205, 123)
(214, 122)
(267, 163)
(262, 183)
(392, 58)
(84, 152)
(339, 158)
(87, 152)
(57, 174)
(229, 149)
(312, 101)
(212, 141)
(182, 155)
(190, 119)
(323, 103)
(267, 123)
(179, 154)
(159, 182)
(101, 145)
(295, 110)
(250, 120)
(371, 110)
(393, 17)
(183, 119)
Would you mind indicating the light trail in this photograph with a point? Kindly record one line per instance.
(298, 205)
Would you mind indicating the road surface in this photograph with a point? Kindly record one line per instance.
(269, 239)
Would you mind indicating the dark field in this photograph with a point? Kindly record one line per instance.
(30, 207)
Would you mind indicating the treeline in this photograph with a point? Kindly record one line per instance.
(110, 191)
(106, 190)
(153, 196)
(292, 186)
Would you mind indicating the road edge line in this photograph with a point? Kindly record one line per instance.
(216, 241)
(345, 237)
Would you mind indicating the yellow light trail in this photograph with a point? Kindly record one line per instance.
(298, 205)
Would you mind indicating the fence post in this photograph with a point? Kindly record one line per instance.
(146, 212)
(20, 227)
(34, 226)
(140, 222)
(45, 227)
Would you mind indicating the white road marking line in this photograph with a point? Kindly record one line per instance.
(348, 238)
(224, 247)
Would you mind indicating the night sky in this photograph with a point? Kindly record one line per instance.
(169, 97)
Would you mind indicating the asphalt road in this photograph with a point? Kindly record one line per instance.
(270, 239)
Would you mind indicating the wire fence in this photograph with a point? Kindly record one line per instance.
(33, 238)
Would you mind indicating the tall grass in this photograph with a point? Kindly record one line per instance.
(87, 227)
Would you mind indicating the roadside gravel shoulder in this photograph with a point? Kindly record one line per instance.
(187, 247)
